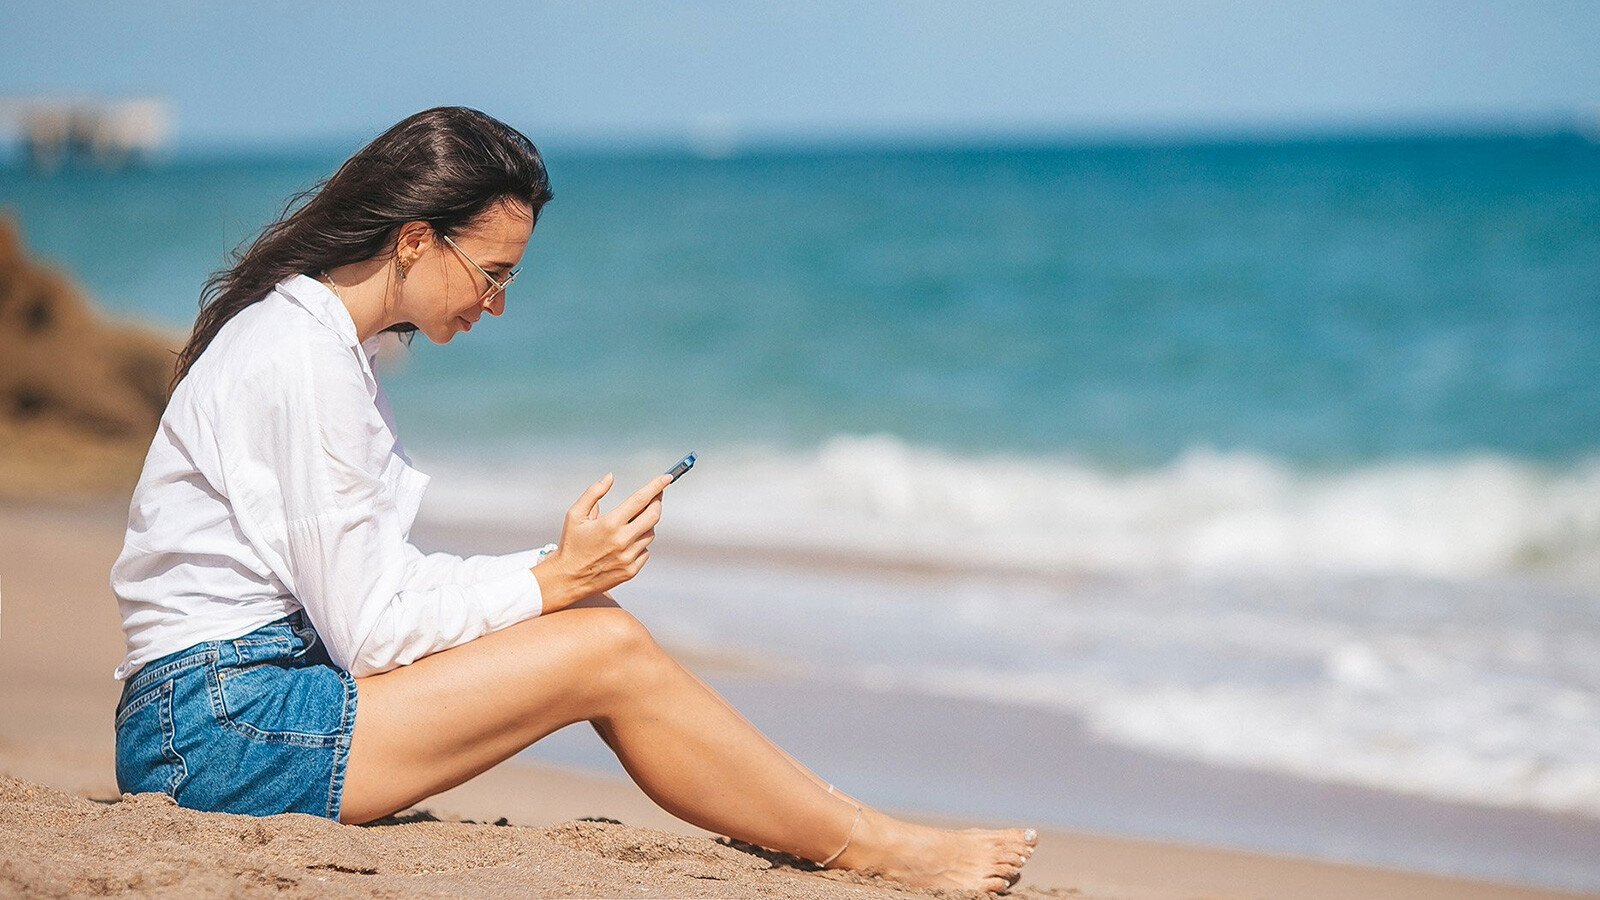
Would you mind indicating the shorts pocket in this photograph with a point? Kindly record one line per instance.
(146, 760)
(274, 702)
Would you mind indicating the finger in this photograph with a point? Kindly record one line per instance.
(630, 551)
(588, 503)
(646, 521)
(643, 541)
(631, 507)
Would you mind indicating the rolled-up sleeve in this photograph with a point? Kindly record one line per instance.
(305, 454)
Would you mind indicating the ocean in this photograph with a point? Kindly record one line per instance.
(1280, 457)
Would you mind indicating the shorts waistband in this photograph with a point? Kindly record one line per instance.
(288, 636)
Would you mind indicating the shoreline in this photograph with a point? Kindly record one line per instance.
(59, 640)
(802, 672)
(960, 759)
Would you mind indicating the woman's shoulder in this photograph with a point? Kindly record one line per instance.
(275, 339)
(278, 368)
(275, 363)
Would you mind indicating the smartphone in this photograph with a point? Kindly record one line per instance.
(683, 466)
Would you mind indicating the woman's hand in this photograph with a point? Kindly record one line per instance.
(598, 552)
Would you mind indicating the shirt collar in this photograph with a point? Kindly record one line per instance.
(328, 309)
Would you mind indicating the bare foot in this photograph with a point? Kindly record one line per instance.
(973, 859)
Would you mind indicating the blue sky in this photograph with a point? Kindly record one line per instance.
(293, 72)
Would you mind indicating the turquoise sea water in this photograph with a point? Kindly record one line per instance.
(1298, 442)
(1383, 354)
(1327, 304)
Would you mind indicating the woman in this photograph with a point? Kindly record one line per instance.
(289, 650)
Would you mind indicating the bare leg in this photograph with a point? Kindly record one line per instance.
(600, 728)
(431, 725)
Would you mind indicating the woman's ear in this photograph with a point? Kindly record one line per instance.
(413, 240)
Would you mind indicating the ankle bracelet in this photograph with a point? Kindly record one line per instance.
(853, 823)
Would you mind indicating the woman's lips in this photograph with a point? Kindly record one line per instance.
(466, 325)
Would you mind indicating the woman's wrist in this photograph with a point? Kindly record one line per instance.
(555, 586)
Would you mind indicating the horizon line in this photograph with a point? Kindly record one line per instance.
(732, 145)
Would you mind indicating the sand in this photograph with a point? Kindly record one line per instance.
(516, 830)
(145, 843)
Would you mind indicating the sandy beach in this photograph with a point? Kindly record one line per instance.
(517, 830)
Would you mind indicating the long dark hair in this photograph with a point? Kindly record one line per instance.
(443, 166)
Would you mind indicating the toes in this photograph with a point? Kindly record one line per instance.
(1020, 836)
(1010, 870)
(1014, 844)
(1011, 856)
(996, 884)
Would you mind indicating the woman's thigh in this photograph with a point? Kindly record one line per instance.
(431, 725)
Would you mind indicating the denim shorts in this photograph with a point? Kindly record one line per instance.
(259, 724)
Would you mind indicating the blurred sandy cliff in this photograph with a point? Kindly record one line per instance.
(80, 394)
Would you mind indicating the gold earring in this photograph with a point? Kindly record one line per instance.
(402, 268)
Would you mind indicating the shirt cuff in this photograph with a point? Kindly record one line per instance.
(514, 593)
(515, 596)
(524, 559)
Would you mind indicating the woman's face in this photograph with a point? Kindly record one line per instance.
(445, 294)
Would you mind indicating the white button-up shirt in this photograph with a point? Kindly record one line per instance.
(277, 482)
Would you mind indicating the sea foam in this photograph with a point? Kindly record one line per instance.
(1421, 626)
(881, 498)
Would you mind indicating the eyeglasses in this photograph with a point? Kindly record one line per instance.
(496, 287)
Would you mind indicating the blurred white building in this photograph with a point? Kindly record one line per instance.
(104, 133)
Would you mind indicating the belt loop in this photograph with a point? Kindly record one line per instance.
(306, 632)
(228, 653)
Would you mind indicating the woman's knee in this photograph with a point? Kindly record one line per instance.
(595, 651)
(618, 632)
(602, 626)
(601, 599)
(627, 659)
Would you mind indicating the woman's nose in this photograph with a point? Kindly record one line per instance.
(496, 304)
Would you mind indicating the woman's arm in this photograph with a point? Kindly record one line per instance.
(447, 568)
(303, 452)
